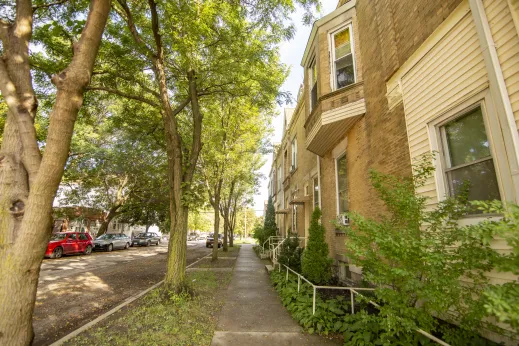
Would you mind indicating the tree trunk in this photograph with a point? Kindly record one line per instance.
(231, 238)
(225, 235)
(28, 182)
(106, 221)
(216, 207)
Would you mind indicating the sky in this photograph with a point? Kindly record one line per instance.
(291, 54)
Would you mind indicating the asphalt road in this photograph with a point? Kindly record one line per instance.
(74, 290)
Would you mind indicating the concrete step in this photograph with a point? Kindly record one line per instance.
(269, 268)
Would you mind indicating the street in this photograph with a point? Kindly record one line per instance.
(74, 290)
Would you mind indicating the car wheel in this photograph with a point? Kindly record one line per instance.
(88, 250)
(148, 243)
(57, 253)
(110, 248)
(158, 242)
(127, 246)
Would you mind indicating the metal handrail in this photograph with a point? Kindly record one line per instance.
(353, 290)
(274, 253)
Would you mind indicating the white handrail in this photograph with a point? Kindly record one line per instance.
(353, 290)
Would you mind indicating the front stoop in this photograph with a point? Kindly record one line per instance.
(269, 268)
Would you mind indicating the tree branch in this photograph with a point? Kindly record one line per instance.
(35, 8)
(4, 30)
(128, 18)
(125, 95)
(197, 126)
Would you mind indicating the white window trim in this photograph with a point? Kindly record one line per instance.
(311, 82)
(495, 137)
(331, 51)
(337, 180)
(293, 154)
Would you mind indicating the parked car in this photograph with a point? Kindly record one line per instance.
(192, 236)
(64, 243)
(210, 241)
(110, 241)
(146, 239)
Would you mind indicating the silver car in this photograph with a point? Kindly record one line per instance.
(146, 239)
(110, 242)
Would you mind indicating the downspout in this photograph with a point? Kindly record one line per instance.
(498, 90)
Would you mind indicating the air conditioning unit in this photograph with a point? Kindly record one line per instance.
(344, 220)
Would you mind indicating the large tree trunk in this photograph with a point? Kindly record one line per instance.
(106, 221)
(28, 182)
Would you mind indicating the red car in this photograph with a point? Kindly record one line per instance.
(64, 243)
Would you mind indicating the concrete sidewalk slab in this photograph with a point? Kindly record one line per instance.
(253, 313)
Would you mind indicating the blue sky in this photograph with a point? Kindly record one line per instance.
(291, 54)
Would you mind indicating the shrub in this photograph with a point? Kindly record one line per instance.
(417, 256)
(269, 226)
(290, 253)
(315, 264)
(258, 234)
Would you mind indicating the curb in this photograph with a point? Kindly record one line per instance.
(113, 310)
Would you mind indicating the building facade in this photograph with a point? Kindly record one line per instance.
(388, 81)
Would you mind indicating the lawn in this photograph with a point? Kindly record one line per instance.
(245, 241)
(158, 319)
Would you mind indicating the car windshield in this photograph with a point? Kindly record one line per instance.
(106, 236)
(58, 236)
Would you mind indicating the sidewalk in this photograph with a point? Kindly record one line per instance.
(253, 313)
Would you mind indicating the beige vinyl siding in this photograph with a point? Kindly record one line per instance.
(506, 39)
(451, 71)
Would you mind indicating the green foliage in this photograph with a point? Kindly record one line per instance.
(258, 234)
(502, 300)
(269, 225)
(315, 264)
(329, 314)
(290, 253)
(416, 257)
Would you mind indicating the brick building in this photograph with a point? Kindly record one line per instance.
(387, 81)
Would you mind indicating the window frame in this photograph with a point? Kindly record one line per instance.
(331, 54)
(496, 139)
(337, 195)
(293, 155)
(315, 196)
(312, 82)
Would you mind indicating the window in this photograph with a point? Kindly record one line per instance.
(294, 155)
(316, 192)
(294, 218)
(280, 178)
(72, 236)
(468, 158)
(342, 185)
(82, 236)
(343, 68)
(313, 84)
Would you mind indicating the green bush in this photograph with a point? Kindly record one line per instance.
(261, 234)
(315, 264)
(333, 316)
(290, 253)
(416, 257)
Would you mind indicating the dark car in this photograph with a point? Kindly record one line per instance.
(210, 241)
(146, 239)
(112, 241)
(64, 243)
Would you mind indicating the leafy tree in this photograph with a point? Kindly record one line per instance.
(315, 263)
(29, 178)
(116, 167)
(423, 263)
(172, 55)
(269, 225)
(234, 131)
(199, 221)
